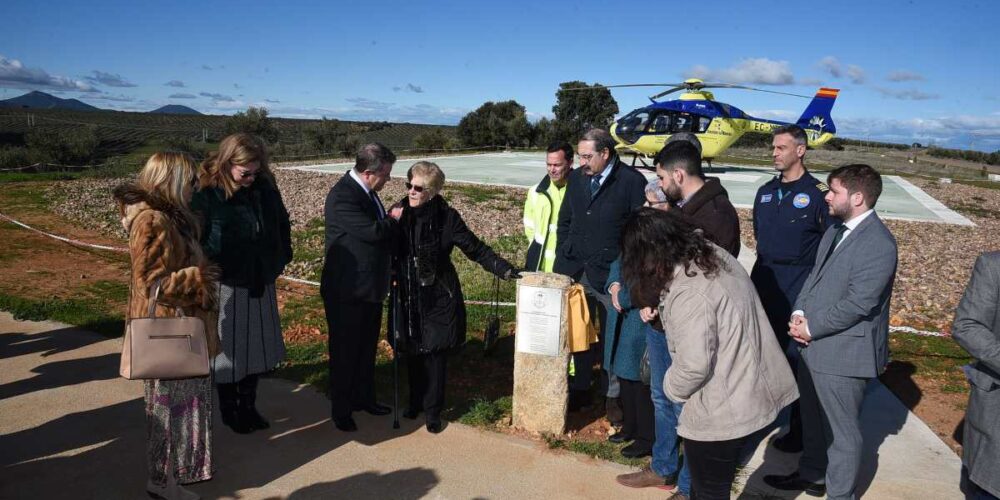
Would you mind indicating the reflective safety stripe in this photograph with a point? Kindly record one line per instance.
(553, 227)
(540, 238)
(529, 223)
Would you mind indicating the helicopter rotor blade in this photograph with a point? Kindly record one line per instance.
(744, 87)
(624, 85)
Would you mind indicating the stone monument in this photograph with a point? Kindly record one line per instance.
(541, 355)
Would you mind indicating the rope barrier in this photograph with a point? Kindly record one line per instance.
(125, 250)
(892, 329)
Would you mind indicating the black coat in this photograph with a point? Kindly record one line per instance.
(710, 209)
(430, 291)
(248, 235)
(358, 246)
(590, 228)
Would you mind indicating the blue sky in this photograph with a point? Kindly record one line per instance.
(909, 70)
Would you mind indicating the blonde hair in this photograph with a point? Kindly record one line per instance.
(168, 176)
(432, 174)
(171, 177)
(236, 149)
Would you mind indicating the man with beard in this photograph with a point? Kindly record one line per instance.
(789, 218)
(841, 323)
(702, 202)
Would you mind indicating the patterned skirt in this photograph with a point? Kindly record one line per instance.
(250, 331)
(179, 429)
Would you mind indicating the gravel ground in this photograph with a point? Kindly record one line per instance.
(935, 260)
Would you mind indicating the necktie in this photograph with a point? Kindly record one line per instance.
(378, 206)
(595, 184)
(841, 229)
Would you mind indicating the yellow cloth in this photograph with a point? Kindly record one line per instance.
(581, 332)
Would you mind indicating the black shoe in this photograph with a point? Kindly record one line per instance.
(793, 482)
(374, 409)
(229, 408)
(619, 437)
(788, 443)
(247, 409)
(636, 450)
(434, 427)
(345, 424)
(411, 413)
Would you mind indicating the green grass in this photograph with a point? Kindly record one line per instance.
(937, 358)
(90, 313)
(598, 449)
(476, 193)
(485, 413)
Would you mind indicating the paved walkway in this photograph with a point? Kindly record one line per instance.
(71, 428)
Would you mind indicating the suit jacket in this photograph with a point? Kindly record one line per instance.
(358, 245)
(977, 330)
(590, 227)
(846, 302)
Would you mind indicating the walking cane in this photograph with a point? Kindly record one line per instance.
(395, 353)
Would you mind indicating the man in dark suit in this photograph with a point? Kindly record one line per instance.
(841, 322)
(600, 196)
(977, 330)
(359, 235)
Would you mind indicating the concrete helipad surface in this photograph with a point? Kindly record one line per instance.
(71, 428)
(900, 199)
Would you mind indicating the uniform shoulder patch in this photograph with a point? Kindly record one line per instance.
(822, 187)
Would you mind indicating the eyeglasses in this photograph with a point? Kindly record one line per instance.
(419, 189)
(246, 173)
(588, 156)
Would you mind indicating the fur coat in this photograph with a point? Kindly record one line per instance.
(164, 245)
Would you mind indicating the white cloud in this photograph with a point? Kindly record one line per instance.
(183, 96)
(831, 65)
(856, 74)
(954, 131)
(14, 74)
(760, 70)
(175, 83)
(109, 79)
(906, 94)
(217, 97)
(904, 76)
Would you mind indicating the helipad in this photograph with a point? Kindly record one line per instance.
(900, 199)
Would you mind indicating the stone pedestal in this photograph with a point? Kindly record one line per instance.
(540, 381)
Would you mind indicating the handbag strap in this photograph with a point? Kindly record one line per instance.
(154, 293)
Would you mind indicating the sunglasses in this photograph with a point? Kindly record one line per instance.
(419, 189)
(246, 173)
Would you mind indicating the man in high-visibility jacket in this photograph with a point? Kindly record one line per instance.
(541, 208)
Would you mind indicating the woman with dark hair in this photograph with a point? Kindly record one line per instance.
(726, 367)
(247, 233)
(432, 299)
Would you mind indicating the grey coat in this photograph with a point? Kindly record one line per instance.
(846, 302)
(977, 330)
(727, 368)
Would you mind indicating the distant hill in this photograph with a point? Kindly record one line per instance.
(41, 100)
(175, 109)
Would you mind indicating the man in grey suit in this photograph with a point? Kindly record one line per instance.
(977, 330)
(841, 322)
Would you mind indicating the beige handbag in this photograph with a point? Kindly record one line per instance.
(164, 348)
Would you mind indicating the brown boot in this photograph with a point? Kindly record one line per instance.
(645, 478)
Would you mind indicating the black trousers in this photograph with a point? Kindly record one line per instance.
(427, 376)
(637, 409)
(583, 362)
(354, 328)
(713, 467)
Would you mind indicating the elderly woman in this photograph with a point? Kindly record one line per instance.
(434, 307)
(163, 244)
(247, 233)
(727, 368)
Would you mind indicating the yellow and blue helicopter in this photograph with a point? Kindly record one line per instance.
(644, 131)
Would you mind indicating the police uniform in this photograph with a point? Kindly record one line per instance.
(788, 221)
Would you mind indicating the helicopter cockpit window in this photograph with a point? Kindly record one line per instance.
(681, 123)
(635, 122)
(703, 123)
(661, 124)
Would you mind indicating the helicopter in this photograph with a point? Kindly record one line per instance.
(643, 132)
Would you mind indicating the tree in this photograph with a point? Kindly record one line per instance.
(70, 146)
(324, 135)
(576, 111)
(543, 133)
(253, 121)
(434, 139)
(494, 124)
